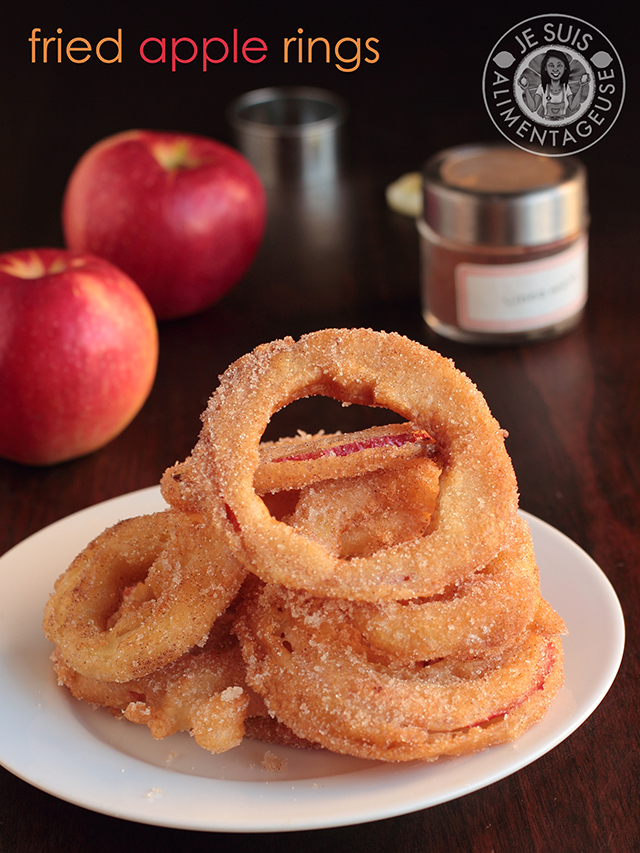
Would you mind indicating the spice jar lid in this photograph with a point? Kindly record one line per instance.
(501, 195)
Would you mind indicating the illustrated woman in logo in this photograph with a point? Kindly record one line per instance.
(554, 98)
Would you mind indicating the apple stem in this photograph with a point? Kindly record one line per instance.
(32, 267)
(174, 155)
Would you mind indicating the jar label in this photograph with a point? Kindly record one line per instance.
(524, 296)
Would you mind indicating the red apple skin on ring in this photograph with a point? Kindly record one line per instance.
(183, 215)
(78, 354)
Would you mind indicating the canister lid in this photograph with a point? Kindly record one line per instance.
(501, 195)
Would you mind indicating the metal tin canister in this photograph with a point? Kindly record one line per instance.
(291, 134)
(503, 237)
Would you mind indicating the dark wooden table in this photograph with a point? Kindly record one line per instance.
(571, 406)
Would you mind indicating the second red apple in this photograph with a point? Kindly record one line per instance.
(78, 354)
(183, 215)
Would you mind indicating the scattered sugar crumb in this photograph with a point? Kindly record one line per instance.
(153, 793)
(273, 764)
(231, 693)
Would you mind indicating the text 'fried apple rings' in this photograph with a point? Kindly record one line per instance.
(140, 595)
(317, 676)
(477, 500)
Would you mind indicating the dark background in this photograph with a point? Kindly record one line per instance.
(571, 406)
(423, 94)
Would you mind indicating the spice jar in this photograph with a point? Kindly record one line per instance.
(503, 238)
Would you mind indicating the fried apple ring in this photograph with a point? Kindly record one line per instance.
(203, 692)
(269, 730)
(140, 595)
(318, 677)
(481, 616)
(477, 501)
(356, 516)
(293, 463)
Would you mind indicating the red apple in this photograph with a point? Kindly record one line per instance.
(182, 215)
(78, 354)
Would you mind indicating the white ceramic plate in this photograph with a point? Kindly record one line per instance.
(88, 758)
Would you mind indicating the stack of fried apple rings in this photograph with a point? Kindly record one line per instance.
(375, 593)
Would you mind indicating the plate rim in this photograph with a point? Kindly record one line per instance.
(149, 499)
